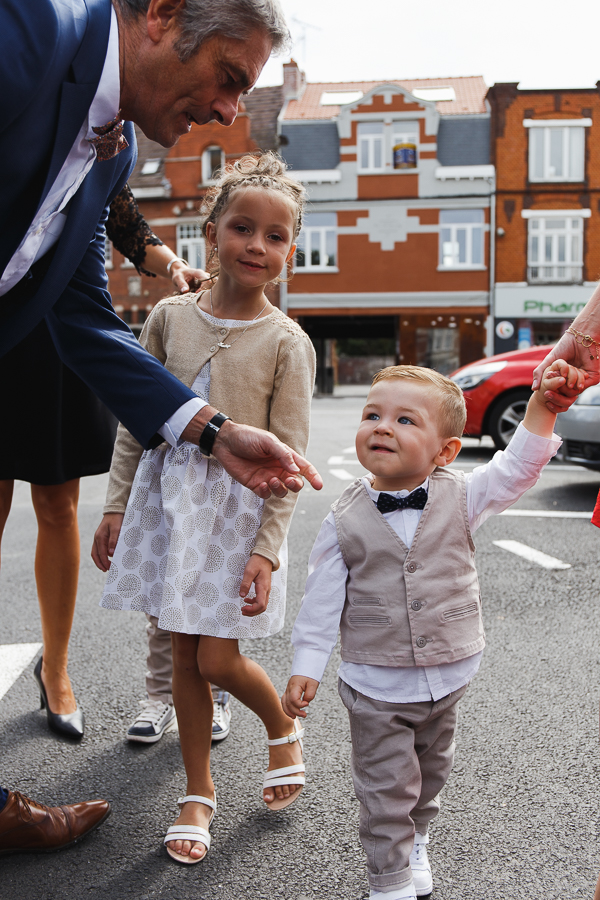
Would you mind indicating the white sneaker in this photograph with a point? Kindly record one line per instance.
(419, 864)
(155, 719)
(404, 893)
(221, 716)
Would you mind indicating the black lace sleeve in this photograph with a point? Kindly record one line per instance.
(128, 230)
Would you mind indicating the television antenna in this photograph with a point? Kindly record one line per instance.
(301, 42)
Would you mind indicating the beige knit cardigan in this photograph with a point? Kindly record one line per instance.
(264, 379)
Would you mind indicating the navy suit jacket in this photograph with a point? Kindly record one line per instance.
(51, 60)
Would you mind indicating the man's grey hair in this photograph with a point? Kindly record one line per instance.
(201, 20)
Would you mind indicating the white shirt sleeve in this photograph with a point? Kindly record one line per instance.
(316, 628)
(498, 484)
(171, 430)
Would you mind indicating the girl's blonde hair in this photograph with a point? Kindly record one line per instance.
(266, 170)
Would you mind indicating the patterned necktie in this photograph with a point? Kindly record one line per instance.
(417, 500)
(110, 140)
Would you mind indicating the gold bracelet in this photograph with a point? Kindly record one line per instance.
(586, 341)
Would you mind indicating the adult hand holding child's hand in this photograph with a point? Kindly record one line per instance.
(561, 384)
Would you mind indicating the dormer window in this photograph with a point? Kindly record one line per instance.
(386, 147)
(213, 159)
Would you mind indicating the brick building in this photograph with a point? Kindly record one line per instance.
(396, 240)
(169, 184)
(546, 151)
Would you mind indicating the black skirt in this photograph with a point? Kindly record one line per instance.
(54, 427)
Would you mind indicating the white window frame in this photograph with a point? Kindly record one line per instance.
(191, 245)
(550, 259)
(207, 169)
(309, 232)
(544, 131)
(469, 228)
(370, 140)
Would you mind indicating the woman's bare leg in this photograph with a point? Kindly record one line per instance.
(220, 661)
(56, 574)
(194, 705)
(6, 495)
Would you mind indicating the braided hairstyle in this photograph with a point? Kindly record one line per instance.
(266, 170)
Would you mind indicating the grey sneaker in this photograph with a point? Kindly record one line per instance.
(221, 716)
(419, 864)
(154, 720)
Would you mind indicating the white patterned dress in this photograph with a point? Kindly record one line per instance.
(187, 534)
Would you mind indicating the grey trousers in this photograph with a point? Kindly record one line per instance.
(159, 675)
(402, 755)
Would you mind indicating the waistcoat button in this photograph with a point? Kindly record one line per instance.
(223, 331)
(416, 604)
(411, 567)
(212, 349)
(421, 641)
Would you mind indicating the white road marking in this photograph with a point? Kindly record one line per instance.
(351, 450)
(547, 513)
(536, 556)
(14, 658)
(335, 460)
(342, 474)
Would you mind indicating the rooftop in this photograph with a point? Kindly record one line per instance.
(467, 93)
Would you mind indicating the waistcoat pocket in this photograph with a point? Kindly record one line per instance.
(460, 611)
(369, 620)
(365, 601)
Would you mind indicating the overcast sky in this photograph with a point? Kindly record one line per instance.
(539, 44)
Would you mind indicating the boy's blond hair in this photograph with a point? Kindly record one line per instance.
(453, 411)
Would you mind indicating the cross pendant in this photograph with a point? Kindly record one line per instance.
(224, 346)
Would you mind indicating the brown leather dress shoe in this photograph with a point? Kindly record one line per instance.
(30, 827)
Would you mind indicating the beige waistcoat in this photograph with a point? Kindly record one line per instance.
(264, 379)
(417, 607)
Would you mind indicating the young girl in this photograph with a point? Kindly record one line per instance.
(196, 549)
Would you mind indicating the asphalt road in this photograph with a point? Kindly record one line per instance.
(519, 816)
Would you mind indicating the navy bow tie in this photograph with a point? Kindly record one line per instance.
(417, 500)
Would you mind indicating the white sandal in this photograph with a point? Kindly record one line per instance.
(191, 832)
(287, 774)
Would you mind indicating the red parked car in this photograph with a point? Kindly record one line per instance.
(497, 390)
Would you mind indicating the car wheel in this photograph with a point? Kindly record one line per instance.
(506, 415)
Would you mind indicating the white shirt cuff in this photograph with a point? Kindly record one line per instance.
(171, 430)
(310, 662)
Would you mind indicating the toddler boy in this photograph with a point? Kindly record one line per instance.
(393, 568)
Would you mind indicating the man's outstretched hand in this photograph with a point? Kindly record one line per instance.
(255, 458)
(261, 462)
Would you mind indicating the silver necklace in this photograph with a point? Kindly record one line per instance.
(228, 346)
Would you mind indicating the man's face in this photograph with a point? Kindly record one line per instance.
(165, 96)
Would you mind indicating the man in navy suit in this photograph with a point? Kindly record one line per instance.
(75, 74)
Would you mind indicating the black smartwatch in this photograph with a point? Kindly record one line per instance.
(206, 441)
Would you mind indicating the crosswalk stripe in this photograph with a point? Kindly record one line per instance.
(536, 556)
(14, 658)
(342, 474)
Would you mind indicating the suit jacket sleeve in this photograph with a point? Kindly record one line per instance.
(99, 347)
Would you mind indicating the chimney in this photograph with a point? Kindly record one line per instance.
(294, 81)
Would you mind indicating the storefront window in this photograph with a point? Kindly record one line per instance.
(438, 348)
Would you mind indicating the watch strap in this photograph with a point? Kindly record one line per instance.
(207, 439)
